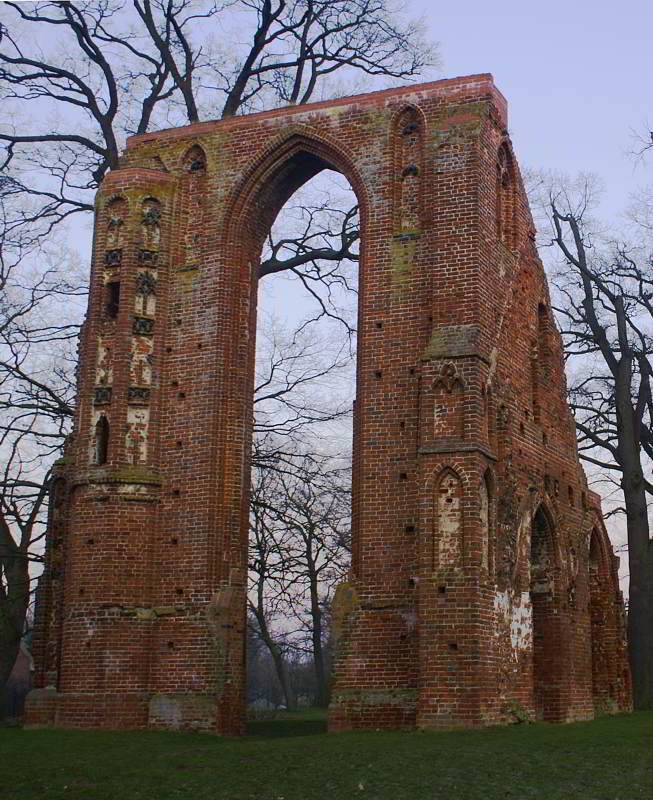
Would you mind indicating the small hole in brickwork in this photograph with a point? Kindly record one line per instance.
(378, 374)
(179, 591)
(81, 591)
(453, 646)
(178, 322)
(199, 345)
(90, 541)
(181, 395)
(176, 492)
(175, 383)
(545, 439)
(412, 370)
(522, 429)
(403, 476)
(430, 317)
(379, 325)
(410, 529)
(402, 424)
(442, 589)
(174, 540)
(168, 349)
(179, 443)
(171, 645)
(88, 644)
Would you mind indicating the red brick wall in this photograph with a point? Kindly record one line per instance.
(461, 434)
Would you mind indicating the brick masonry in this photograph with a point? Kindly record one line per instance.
(483, 586)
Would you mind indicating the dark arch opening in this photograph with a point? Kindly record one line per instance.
(546, 634)
(602, 625)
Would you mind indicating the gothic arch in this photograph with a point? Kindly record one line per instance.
(282, 167)
(547, 657)
(448, 534)
(285, 164)
(604, 627)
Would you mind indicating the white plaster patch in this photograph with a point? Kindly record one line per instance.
(137, 434)
(449, 506)
(140, 367)
(517, 613)
(104, 368)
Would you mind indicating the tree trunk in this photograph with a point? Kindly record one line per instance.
(640, 557)
(277, 657)
(282, 674)
(322, 693)
(14, 599)
(640, 603)
(9, 646)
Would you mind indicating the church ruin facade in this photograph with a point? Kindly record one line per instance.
(483, 585)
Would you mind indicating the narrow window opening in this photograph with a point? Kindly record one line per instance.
(112, 299)
(102, 440)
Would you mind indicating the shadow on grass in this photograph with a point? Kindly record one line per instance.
(284, 724)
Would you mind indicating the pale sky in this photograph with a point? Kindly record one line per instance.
(577, 75)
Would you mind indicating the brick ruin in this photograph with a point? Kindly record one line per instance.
(483, 585)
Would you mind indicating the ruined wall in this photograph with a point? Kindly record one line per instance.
(483, 587)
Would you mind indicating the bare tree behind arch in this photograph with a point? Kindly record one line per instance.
(98, 72)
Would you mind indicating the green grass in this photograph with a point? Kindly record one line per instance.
(292, 759)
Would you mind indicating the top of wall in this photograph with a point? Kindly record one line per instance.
(471, 86)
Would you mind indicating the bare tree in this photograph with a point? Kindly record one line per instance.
(36, 392)
(301, 516)
(267, 554)
(605, 308)
(134, 67)
(99, 71)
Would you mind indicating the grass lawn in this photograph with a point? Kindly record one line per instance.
(292, 759)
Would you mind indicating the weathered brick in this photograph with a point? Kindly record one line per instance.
(483, 587)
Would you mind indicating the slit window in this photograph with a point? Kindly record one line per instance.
(112, 299)
(102, 440)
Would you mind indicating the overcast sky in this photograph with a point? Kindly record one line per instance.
(578, 77)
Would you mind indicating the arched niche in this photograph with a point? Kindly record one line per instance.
(408, 144)
(545, 618)
(506, 218)
(117, 209)
(542, 360)
(448, 534)
(603, 627)
(448, 408)
(151, 211)
(194, 162)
